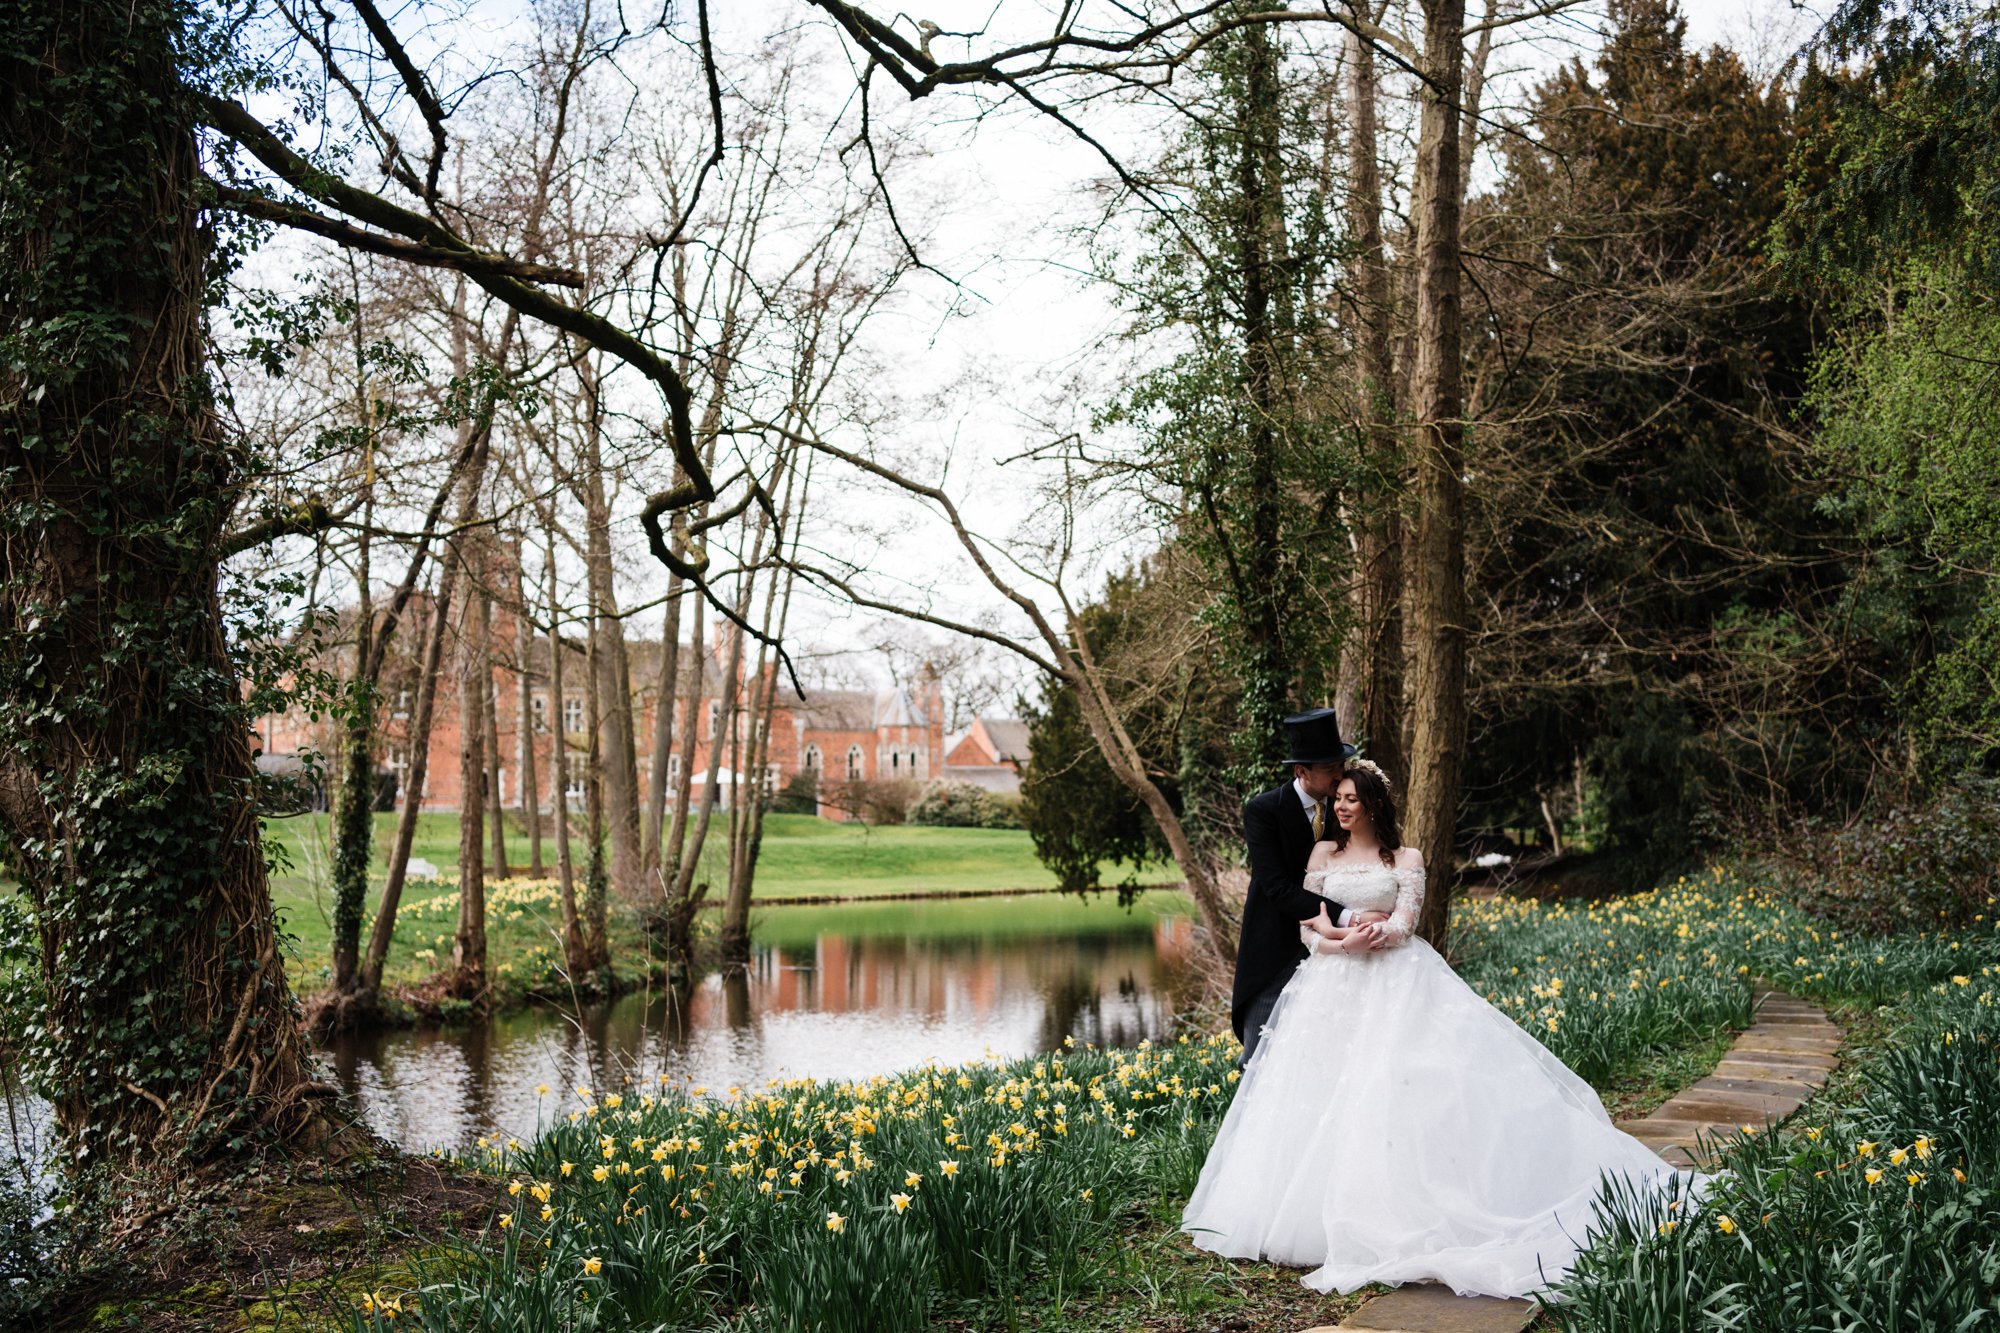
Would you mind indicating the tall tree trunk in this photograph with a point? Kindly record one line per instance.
(747, 826)
(574, 961)
(611, 685)
(468, 944)
(489, 715)
(164, 1034)
(686, 889)
(531, 790)
(690, 735)
(415, 775)
(678, 914)
(1376, 657)
(1436, 571)
(666, 700)
(596, 948)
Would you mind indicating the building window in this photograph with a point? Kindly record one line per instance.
(573, 713)
(673, 768)
(402, 708)
(895, 763)
(812, 759)
(714, 716)
(854, 763)
(573, 787)
(541, 709)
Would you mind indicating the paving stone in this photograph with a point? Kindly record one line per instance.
(1672, 1126)
(1826, 1064)
(1784, 1019)
(1730, 1108)
(1811, 1076)
(1762, 1087)
(1822, 1031)
(1434, 1309)
(1802, 1043)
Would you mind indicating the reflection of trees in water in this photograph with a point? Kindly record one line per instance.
(1071, 1009)
(1111, 987)
(736, 1000)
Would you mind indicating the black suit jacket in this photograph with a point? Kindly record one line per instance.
(1278, 832)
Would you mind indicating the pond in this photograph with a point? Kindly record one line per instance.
(833, 992)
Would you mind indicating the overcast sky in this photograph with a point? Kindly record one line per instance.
(1028, 325)
(1019, 336)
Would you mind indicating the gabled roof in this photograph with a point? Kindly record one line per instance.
(1009, 737)
(898, 709)
(836, 710)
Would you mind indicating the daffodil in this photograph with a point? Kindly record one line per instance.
(593, 1266)
(836, 1223)
(902, 1201)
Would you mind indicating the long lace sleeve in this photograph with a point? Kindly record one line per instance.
(1409, 902)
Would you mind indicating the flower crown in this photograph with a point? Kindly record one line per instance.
(1371, 767)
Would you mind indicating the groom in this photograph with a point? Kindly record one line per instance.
(1280, 827)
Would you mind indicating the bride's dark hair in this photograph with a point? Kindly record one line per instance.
(1372, 786)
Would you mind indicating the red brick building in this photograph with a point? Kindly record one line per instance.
(842, 736)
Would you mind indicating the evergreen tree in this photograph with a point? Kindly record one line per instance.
(1661, 569)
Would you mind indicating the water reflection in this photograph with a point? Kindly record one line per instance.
(843, 992)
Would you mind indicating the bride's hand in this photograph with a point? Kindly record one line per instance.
(1364, 939)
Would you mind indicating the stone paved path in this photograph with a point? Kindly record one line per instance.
(1773, 1068)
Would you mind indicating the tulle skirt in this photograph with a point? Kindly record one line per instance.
(1395, 1127)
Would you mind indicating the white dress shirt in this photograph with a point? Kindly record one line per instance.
(1346, 913)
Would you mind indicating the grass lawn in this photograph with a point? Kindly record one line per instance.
(801, 857)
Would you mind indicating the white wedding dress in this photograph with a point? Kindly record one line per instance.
(1395, 1127)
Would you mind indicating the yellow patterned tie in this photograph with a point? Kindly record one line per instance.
(1319, 819)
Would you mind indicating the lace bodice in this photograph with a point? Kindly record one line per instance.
(1369, 888)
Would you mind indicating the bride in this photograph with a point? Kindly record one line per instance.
(1392, 1126)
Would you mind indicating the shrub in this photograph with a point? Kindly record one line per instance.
(1916, 867)
(800, 796)
(963, 805)
(879, 802)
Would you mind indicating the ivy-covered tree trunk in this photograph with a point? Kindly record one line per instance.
(166, 1034)
(353, 826)
(1264, 590)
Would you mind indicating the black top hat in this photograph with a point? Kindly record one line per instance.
(1314, 738)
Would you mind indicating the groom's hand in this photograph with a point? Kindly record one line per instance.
(1323, 925)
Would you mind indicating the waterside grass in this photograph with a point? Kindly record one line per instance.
(801, 857)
